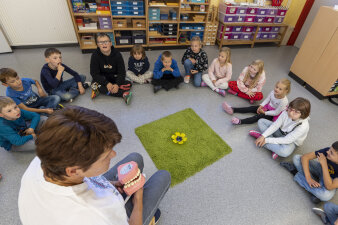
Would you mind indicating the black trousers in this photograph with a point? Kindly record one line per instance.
(125, 86)
(253, 119)
(168, 81)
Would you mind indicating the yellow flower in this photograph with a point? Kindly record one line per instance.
(179, 138)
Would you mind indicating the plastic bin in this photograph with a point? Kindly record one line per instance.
(262, 35)
(269, 19)
(249, 18)
(260, 19)
(228, 17)
(124, 39)
(273, 35)
(271, 11)
(275, 29)
(242, 10)
(235, 36)
(246, 36)
(241, 18)
(265, 29)
(279, 19)
(237, 29)
(248, 29)
(231, 10)
(251, 10)
(262, 11)
(281, 12)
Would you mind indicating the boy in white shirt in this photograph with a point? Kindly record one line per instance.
(64, 183)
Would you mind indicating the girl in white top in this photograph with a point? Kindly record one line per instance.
(219, 72)
(269, 109)
(288, 131)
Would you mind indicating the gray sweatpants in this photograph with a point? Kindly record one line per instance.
(153, 191)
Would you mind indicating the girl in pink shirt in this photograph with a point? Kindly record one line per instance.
(250, 82)
(219, 72)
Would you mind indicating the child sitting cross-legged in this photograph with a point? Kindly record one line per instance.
(138, 66)
(166, 72)
(195, 61)
(17, 127)
(287, 132)
(250, 82)
(52, 77)
(269, 109)
(20, 90)
(219, 72)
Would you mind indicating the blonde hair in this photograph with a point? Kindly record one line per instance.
(138, 49)
(5, 101)
(260, 64)
(286, 83)
(196, 38)
(227, 52)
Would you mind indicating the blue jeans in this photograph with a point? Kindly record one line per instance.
(316, 172)
(68, 89)
(50, 101)
(331, 211)
(153, 191)
(283, 150)
(188, 66)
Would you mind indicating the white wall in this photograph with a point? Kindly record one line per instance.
(313, 12)
(4, 46)
(36, 22)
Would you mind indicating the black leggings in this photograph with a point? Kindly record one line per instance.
(168, 81)
(253, 119)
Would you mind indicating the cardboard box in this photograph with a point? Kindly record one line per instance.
(120, 23)
(139, 23)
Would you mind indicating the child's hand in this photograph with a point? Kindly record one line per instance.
(260, 110)
(214, 82)
(138, 196)
(192, 60)
(60, 68)
(260, 141)
(81, 89)
(193, 71)
(34, 136)
(250, 93)
(118, 186)
(312, 183)
(321, 158)
(29, 131)
(49, 111)
(115, 89)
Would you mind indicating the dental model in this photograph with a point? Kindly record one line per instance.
(131, 177)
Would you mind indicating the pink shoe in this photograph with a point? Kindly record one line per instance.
(227, 108)
(274, 155)
(232, 92)
(221, 92)
(254, 134)
(203, 84)
(235, 121)
(252, 101)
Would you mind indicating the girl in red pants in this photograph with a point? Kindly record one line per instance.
(250, 82)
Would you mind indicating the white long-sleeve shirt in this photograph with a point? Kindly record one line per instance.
(278, 104)
(286, 124)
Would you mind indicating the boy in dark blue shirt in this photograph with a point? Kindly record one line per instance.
(320, 178)
(17, 127)
(52, 77)
(20, 90)
(166, 72)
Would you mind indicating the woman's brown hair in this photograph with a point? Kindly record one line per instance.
(74, 136)
(302, 105)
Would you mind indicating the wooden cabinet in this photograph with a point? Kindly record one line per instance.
(315, 66)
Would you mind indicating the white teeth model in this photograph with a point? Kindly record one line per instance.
(133, 181)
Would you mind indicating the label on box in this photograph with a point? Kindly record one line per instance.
(135, 13)
(119, 12)
(138, 41)
(135, 8)
(119, 7)
(119, 25)
(199, 28)
(139, 25)
(119, 3)
(122, 41)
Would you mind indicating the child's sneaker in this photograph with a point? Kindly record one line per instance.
(187, 79)
(232, 92)
(203, 84)
(95, 90)
(59, 106)
(319, 212)
(274, 155)
(252, 102)
(290, 167)
(127, 97)
(71, 100)
(235, 121)
(86, 85)
(254, 134)
(220, 91)
(125, 87)
(227, 108)
(148, 81)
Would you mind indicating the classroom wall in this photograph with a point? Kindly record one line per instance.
(36, 22)
(313, 12)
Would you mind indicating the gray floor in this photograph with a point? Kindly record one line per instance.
(244, 187)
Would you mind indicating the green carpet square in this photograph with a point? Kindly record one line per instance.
(202, 148)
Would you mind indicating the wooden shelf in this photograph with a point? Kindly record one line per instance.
(267, 40)
(135, 17)
(235, 42)
(129, 28)
(94, 31)
(88, 47)
(163, 21)
(126, 46)
(191, 30)
(163, 36)
(193, 12)
(164, 6)
(88, 14)
(255, 24)
(193, 3)
(158, 45)
(189, 21)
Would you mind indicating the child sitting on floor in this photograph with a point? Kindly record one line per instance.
(17, 127)
(287, 132)
(269, 109)
(166, 72)
(250, 82)
(52, 77)
(20, 90)
(219, 72)
(195, 61)
(138, 66)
